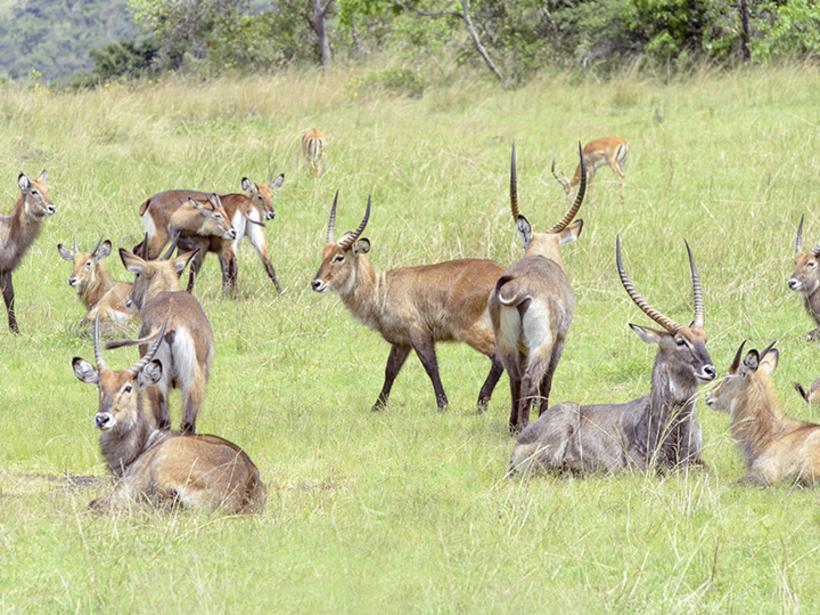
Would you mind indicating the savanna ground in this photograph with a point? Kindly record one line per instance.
(407, 510)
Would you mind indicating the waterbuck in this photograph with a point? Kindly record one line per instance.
(812, 395)
(774, 446)
(98, 292)
(806, 279)
(413, 307)
(159, 467)
(19, 230)
(655, 431)
(313, 147)
(188, 349)
(611, 151)
(531, 306)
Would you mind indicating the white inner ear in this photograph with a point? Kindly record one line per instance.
(362, 246)
(646, 335)
(769, 362)
(135, 268)
(524, 229)
(150, 374)
(85, 372)
(64, 253)
(24, 182)
(276, 183)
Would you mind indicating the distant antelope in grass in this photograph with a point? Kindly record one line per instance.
(98, 292)
(313, 148)
(188, 349)
(531, 307)
(812, 395)
(158, 467)
(413, 307)
(655, 431)
(611, 151)
(806, 279)
(774, 446)
(19, 230)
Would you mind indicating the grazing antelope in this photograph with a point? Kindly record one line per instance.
(658, 430)
(159, 467)
(413, 307)
(313, 146)
(188, 350)
(812, 395)
(611, 151)
(247, 213)
(774, 446)
(100, 294)
(183, 211)
(531, 307)
(19, 230)
(806, 279)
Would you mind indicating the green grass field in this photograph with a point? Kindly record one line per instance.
(408, 510)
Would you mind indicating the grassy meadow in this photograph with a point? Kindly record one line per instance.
(407, 510)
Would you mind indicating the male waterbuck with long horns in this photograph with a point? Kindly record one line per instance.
(655, 431)
(99, 293)
(159, 467)
(810, 395)
(806, 279)
(413, 307)
(611, 151)
(188, 348)
(774, 446)
(531, 306)
(313, 148)
(19, 230)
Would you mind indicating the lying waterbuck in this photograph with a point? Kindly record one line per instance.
(806, 279)
(812, 395)
(531, 307)
(159, 467)
(98, 292)
(610, 151)
(19, 230)
(413, 307)
(246, 212)
(188, 348)
(655, 431)
(774, 446)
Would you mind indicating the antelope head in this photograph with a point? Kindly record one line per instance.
(86, 264)
(214, 220)
(262, 195)
(806, 276)
(340, 258)
(154, 277)
(681, 348)
(119, 407)
(743, 378)
(37, 202)
(566, 230)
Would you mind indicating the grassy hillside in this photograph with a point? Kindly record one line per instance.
(407, 510)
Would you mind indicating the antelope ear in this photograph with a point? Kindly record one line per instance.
(277, 183)
(248, 185)
(195, 204)
(150, 374)
(572, 232)
(362, 246)
(43, 176)
(522, 225)
(751, 362)
(103, 251)
(649, 336)
(182, 260)
(131, 262)
(64, 252)
(23, 181)
(84, 371)
(769, 361)
(214, 200)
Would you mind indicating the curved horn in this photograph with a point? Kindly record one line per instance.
(667, 323)
(173, 246)
(76, 245)
(514, 187)
(349, 238)
(579, 199)
(763, 352)
(97, 247)
(736, 361)
(697, 290)
(98, 358)
(799, 243)
(152, 350)
(331, 238)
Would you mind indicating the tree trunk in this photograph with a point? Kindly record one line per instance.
(318, 23)
(480, 49)
(744, 29)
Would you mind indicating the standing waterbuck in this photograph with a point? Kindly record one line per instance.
(774, 446)
(531, 306)
(159, 467)
(313, 148)
(610, 151)
(655, 431)
(187, 351)
(413, 307)
(806, 279)
(19, 230)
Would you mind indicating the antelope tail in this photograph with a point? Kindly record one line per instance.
(511, 292)
(142, 340)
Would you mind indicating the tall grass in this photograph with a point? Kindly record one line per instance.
(407, 511)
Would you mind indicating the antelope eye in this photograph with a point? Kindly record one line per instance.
(88, 263)
(34, 192)
(137, 274)
(218, 216)
(338, 258)
(127, 388)
(680, 342)
(812, 264)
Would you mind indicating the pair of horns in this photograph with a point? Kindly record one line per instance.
(139, 365)
(667, 323)
(799, 243)
(571, 212)
(347, 239)
(93, 252)
(736, 362)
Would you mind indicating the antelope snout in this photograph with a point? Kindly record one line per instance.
(230, 234)
(709, 401)
(707, 373)
(51, 209)
(72, 281)
(318, 285)
(270, 215)
(794, 283)
(103, 421)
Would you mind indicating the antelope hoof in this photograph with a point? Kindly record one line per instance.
(481, 405)
(378, 406)
(188, 429)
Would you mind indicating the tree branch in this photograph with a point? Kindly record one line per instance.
(325, 8)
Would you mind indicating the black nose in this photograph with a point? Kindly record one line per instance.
(51, 209)
(72, 281)
(232, 234)
(316, 284)
(101, 419)
(270, 215)
(792, 283)
(710, 371)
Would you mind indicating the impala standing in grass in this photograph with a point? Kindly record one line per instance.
(806, 279)
(655, 431)
(531, 307)
(19, 230)
(611, 151)
(413, 307)
(313, 148)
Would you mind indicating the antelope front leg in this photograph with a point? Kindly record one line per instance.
(496, 369)
(8, 298)
(813, 336)
(395, 361)
(426, 351)
(257, 238)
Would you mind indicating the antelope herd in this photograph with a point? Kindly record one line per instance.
(517, 316)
